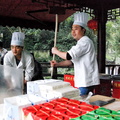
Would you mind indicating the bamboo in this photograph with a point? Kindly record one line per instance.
(55, 40)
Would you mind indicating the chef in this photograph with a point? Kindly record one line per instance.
(19, 58)
(82, 56)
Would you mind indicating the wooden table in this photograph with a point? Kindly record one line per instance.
(112, 106)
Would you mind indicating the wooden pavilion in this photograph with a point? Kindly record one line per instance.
(41, 14)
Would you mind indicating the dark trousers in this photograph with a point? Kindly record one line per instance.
(86, 90)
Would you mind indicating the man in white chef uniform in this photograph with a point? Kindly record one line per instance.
(82, 56)
(19, 58)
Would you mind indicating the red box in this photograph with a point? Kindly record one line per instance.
(116, 89)
(59, 111)
(69, 78)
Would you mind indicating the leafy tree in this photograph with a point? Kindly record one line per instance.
(113, 39)
(6, 36)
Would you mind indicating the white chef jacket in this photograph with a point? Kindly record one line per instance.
(26, 63)
(85, 63)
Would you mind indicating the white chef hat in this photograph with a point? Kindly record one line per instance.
(18, 39)
(81, 19)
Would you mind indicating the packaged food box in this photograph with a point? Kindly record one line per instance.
(100, 114)
(12, 109)
(61, 108)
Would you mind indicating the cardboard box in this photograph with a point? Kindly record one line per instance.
(1, 111)
(13, 106)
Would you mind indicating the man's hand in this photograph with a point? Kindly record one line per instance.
(25, 81)
(53, 63)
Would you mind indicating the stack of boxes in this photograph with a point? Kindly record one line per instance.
(38, 92)
(68, 109)
(53, 100)
(12, 108)
(51, 89)
(1, 111)
(58, 109)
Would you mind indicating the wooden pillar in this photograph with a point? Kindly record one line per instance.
(54, 76)
(102, 19)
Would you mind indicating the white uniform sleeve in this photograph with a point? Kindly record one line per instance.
(81, 48)
(29, 70)
(8, 58)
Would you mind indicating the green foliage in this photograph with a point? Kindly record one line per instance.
(42, 55)
(6, 36)
(113, 39)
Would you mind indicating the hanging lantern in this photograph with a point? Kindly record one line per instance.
(93, 24)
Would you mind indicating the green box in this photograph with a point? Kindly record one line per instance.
(100, 114)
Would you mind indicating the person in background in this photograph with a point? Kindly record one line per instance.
(20, 58)
(82, 56)
(3, 51)
(38, 75)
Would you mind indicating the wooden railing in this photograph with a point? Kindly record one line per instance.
(109, 69)
(47, 70)
(112, 69)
